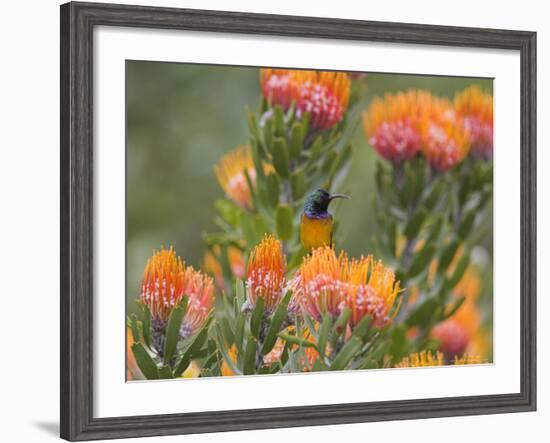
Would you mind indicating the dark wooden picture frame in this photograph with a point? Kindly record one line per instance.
(77, 23)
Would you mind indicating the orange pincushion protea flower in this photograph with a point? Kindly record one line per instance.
(402, 125)
(230, 172)
(330, 283)
(445, 140)
(322, 94)
(475, 108)
(392, 124)
(421, 359)
(265, 275)
(166, 280)
(456, 333)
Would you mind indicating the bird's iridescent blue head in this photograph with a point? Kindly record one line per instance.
(316, 204)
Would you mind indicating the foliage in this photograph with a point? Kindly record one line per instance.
(430, 213)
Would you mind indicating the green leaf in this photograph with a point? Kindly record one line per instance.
(193, 349)
(322, 338)
(467, 224)
(284, 222)
(279, 121)
(269, 132)
(256, 319)
(239, 291)
(272, 186)
(415, 224)
(315, 151)
(252, 124)
(165, 372)
(455, 307)
(275, 325)
(305, 122)
(423, 313)
(135, 330)
(346, 354)
(250, 356)
(342, 321)
(296, 140)
(293, 340)
(421, 260)
(239, 330)
(447, 255)
(225, 353)
(145, 363)
(146, 324)
(373, 358)
(398, 340)
(228, 211)
(459, 271)
(361, 329)
(464, 191)
(173, 330)
(226, 329)
(433, 196)
(247, 226)
(298, 184)
(280, 157)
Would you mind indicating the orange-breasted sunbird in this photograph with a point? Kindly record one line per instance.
(316, 223)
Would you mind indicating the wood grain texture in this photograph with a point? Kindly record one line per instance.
(77, 23)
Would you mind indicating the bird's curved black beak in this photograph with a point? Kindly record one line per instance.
(333, 196)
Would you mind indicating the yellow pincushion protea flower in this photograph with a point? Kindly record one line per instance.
(322, 94)
(330, 283)
(421, 359)
(265, 274)
(230, 173)
(475, 108)
(166, 281)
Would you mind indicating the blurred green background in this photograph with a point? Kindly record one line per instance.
(182, 118)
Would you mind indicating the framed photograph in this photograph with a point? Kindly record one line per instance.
(273, 221)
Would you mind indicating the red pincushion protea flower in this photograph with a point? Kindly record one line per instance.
(166, 280)
(330, 283)
(322, 94)
(475, 108)
(265, 275)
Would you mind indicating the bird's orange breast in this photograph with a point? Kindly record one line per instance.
(316, 232)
